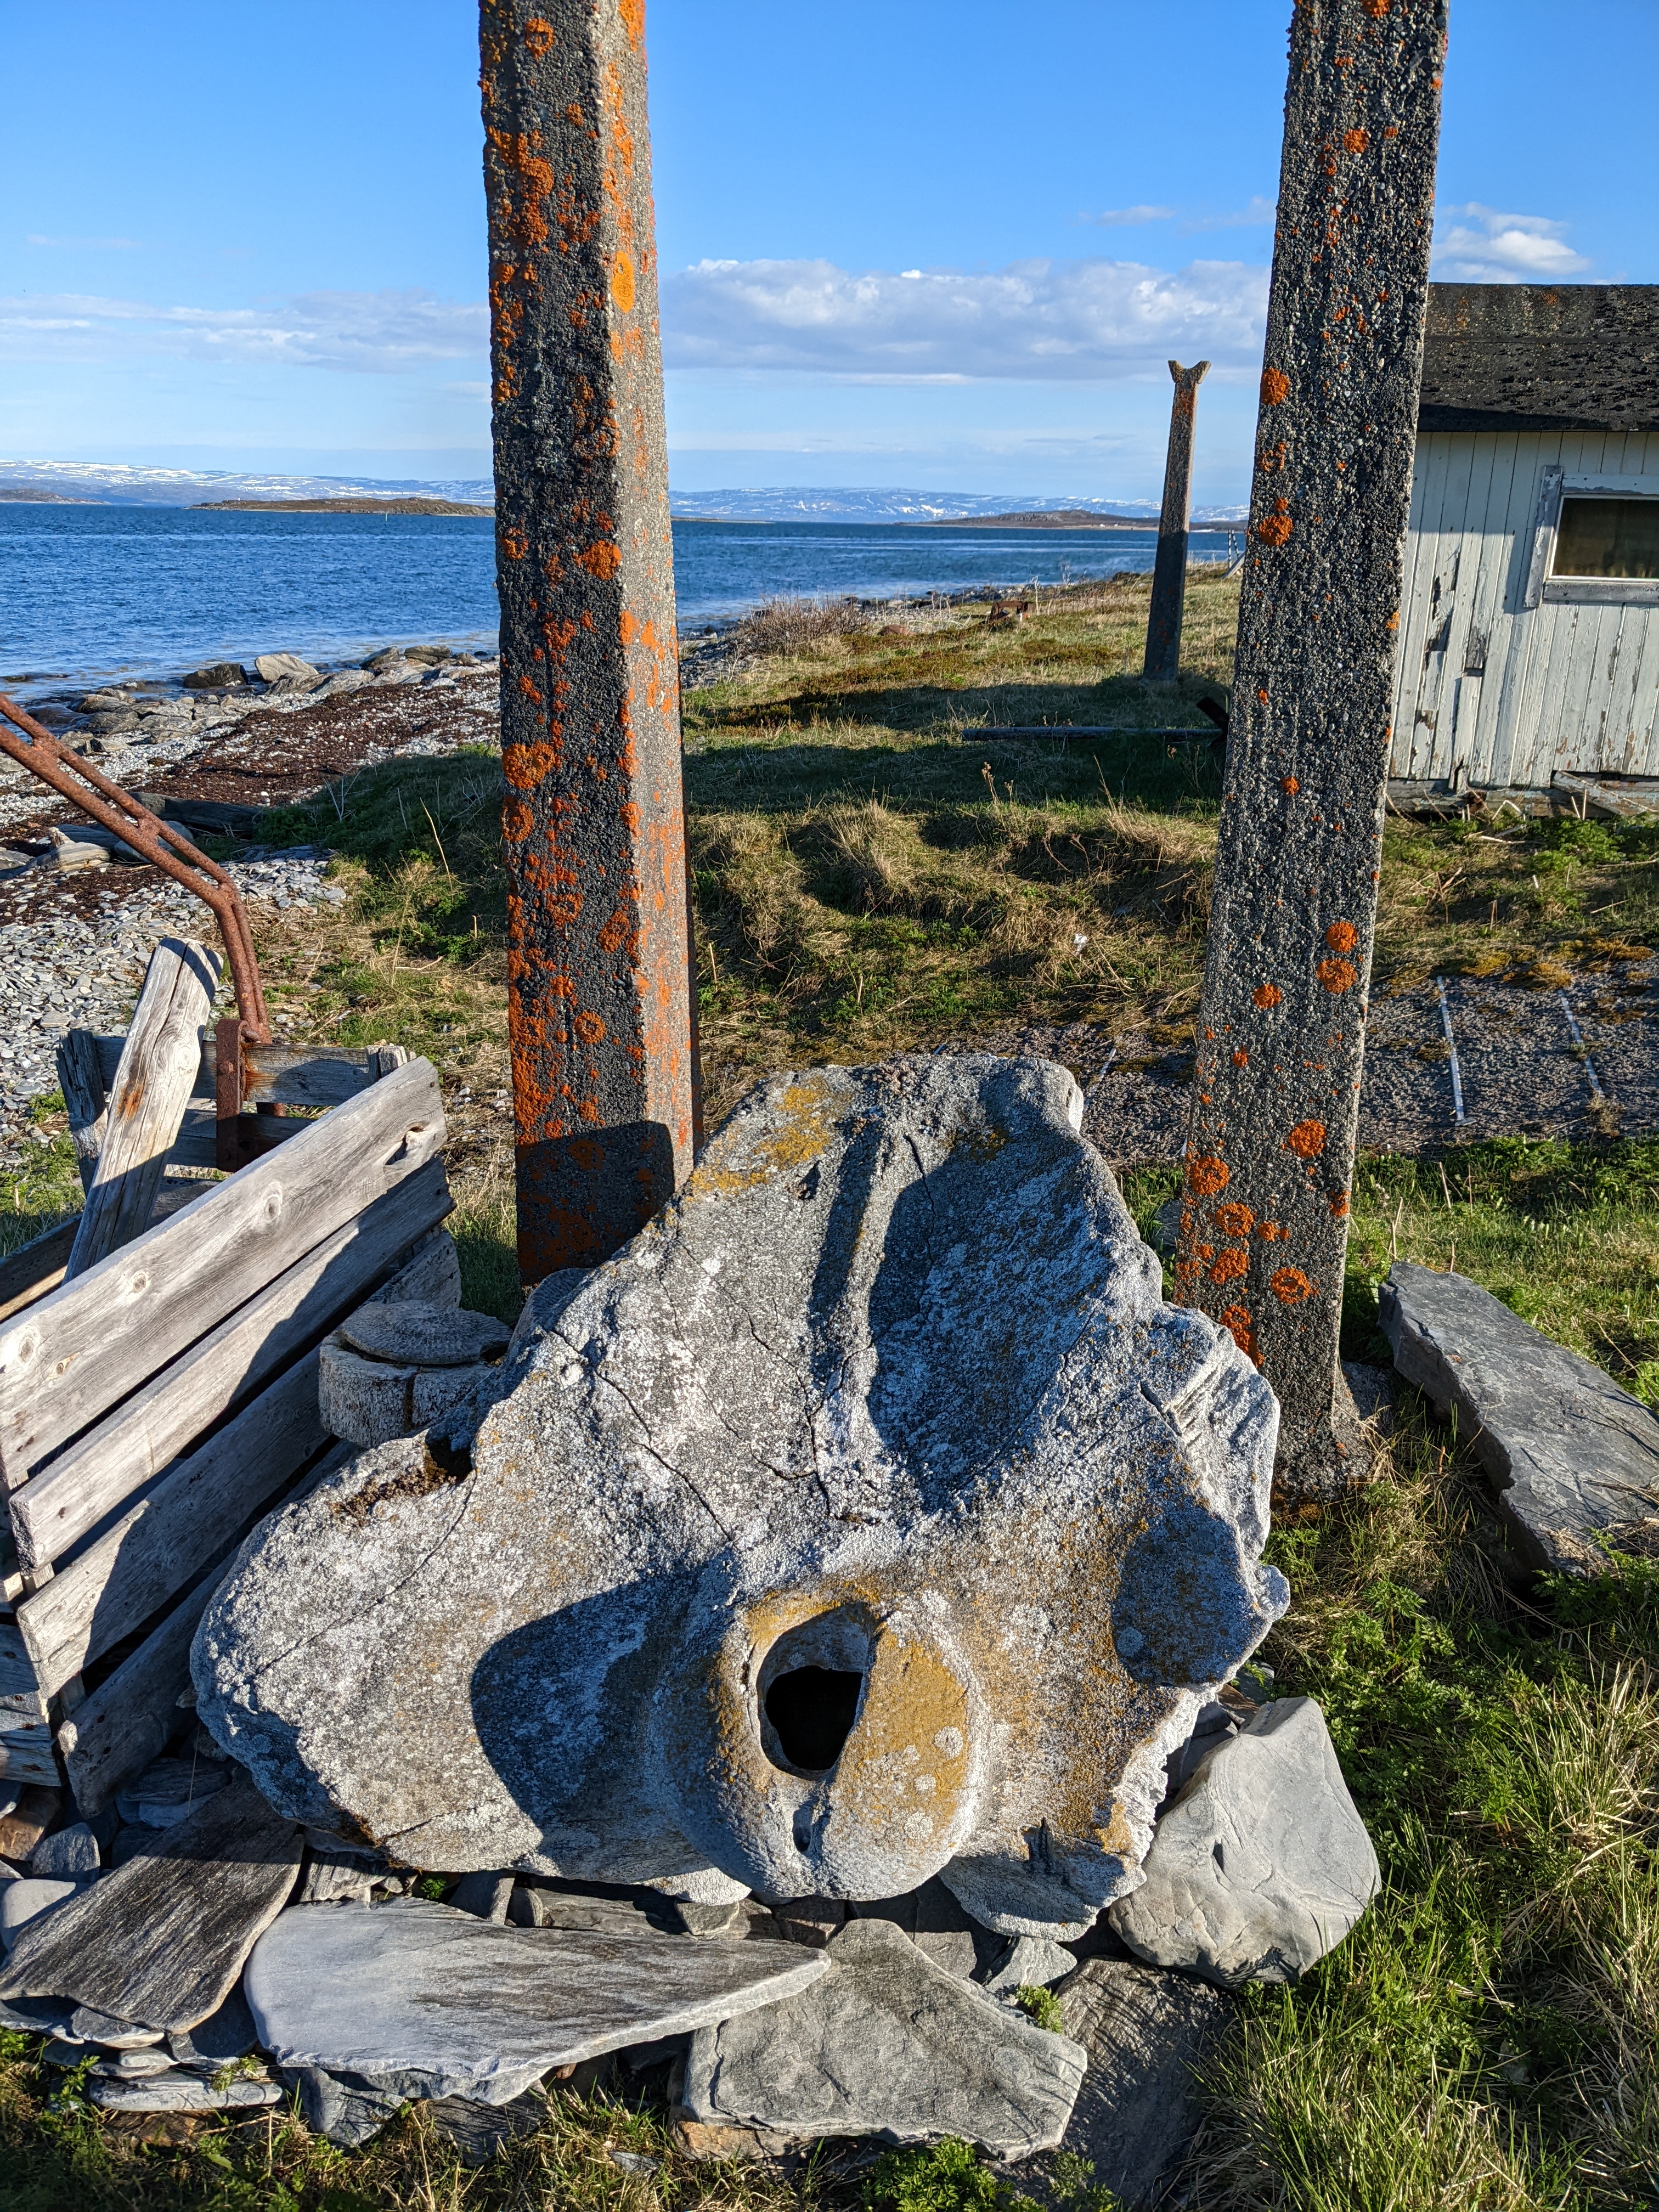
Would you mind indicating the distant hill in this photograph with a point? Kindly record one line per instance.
(1054, 518)
(874, 503)
(36, 497)
(121, 483)
(341, 507)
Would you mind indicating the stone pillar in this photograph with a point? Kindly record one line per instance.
(1276, 1087)
(605, 1069)
(1170, 568)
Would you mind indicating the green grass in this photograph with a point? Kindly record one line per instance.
(870, 877)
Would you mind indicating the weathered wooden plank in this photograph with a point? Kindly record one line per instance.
(36, 1267)
(27, 1755)
(20, 1692)
(152, 1080)
(68, 1360)
(127, 1720)
(84, 1081)
(291, 1075)
(67, 1499)
(170, 1534)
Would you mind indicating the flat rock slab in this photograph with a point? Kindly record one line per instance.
(180, 2092)
(161, 1940)
(1572, 1456)
(415, 1999)
(1261, 1865)
(890, 2045)
(415, 1335)
(1146, 2033)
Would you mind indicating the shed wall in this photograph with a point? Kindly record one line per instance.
(1489, 691)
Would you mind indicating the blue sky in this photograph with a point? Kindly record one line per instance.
(903, 243)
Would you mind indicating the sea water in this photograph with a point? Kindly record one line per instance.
(90, 594)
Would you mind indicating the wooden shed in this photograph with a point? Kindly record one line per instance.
(1529, 657)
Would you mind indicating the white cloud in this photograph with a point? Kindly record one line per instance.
(1067, 320)
(1487, 247)
(382, 332)
(1111, 218)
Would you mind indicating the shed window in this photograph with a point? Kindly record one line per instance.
(1614, 537)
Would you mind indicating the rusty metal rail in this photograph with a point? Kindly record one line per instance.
(117, 810)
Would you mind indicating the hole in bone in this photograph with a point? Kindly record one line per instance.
(812, 1711)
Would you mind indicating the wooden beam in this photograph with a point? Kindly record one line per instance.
(65, 1361)
(281, 1074)
(147, 1099)
(36, 1267)
(84, 1077)
(67, 1500)
(1162, 663)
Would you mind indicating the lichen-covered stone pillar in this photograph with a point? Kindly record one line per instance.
(1162, 662)
(604, 1072)
(1276, 1088)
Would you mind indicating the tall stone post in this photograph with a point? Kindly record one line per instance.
(1275, 1106)
(604, 1068)
(1169, 568)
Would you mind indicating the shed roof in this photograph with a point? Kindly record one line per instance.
(1542, 357)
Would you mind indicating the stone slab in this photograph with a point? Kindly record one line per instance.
(1146, 2033)
(418, 2000)
(889, 2044)
(1573, 1457)
(478, 2131)
(161, 1940)
(181, 2091)
(417, 1335)
(1262, 1864)
(70, 1854)
(28, 1901)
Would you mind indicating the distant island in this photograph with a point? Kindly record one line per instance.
(1062, 518)
(36, 498)
(342, 506)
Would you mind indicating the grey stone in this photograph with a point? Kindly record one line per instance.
(888, 1396)
(1146, 2033)
(1573, 1457)
(1212, 1729)
(1262, 1866)
(67, 1854)
(414, 1333)
(486, 1896)
(169, 1789)
(36, 2015)
(222, 2037)
(8, 1871)
(217, 676)
(810, 1920)
(23, 1901)
(340, 2106)
(949, 1936)
(535, 1907)
(370, 1401)
(133, 1840)
(332, 1879)
(887, 2045)
(478, 2131)
(1029, 1962)
(710, 1919)
(161, 1940)
(182, 2092)
(417, 2000)
(88, 2024)
(706, 1885)
(285, 668)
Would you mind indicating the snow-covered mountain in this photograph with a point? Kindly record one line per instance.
(115, 484)
(818, 503)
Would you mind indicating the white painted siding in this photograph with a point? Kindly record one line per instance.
(1504, 693)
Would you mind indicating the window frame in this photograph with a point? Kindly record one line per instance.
(1559, 484)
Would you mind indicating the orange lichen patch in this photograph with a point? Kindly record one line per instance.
(1275, 387)
(589, 1028)
(1306, 1141)
(1241, 1327)
(1338, 1202)
(1234, 1219)
(632, 16)
(514, 544)
(622, 283)
(530, 690)
(1342, 937)
(525, 766)
(1289, 1286)
(1262, 697)
(1377, 9)
(1230, 1262)
(1241, 1058)
(517, 821)
(1271, 1233)
(1275, 529)
(538, 36)
(1290, 784)
(1207, 1175)
(602, 559)
(1267, 994)
(1356, 141)
(1337, 975)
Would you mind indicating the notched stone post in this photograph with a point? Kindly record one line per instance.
(1276, 1088)
(1169, 568)
(603, 1029)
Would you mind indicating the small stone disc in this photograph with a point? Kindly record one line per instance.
(411, 1334)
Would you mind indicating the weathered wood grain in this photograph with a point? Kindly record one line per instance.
(26, 1754)
(67, 1499)
(147, 1099)
(114, 1585)
(69, 1358)
(162, 1940)
(128, 1718)
(291, 1075)
(36, 1267)
(20, 1696)
(84, 1080)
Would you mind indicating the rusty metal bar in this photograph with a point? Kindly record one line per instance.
(1281, 1030)
(34, 748)
(600, 1004)
(1162, 663)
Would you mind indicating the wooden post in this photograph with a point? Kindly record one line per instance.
(1169, 568)
(1276, 1087)
(159, 1065)
(600, 1004)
